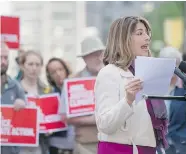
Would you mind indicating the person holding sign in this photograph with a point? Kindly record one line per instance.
(31, 63)
(11, 92)
(85, 127)
(57, 71)
(124, 125)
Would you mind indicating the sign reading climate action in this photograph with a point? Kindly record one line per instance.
(79, 96)
(19, 128)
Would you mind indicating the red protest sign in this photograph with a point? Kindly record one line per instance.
(10, 32)
(19, 128)
(79, 96)
(48, 105)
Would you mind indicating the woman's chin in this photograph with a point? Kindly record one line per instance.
(60, 83)
(33, 77)
(145, 54)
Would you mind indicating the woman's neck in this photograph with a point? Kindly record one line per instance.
(59, 86)
(30, 86)
(29, 82)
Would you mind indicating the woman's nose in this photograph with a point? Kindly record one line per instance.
(34, 67)
(58, 72)
(147, 37)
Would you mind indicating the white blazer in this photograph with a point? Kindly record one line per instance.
(116, 121)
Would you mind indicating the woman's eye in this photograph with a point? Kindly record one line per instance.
(37, 64)
(61, 69)
(139, 33)
(30, 64)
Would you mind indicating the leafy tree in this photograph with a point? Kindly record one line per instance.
(157, 17)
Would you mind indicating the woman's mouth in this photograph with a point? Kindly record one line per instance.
(145, 47)
(61, 81)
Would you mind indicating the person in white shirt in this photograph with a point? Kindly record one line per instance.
(124, 126)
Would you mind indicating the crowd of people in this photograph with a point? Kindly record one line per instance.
(119, 125)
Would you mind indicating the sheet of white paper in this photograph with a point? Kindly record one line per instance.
(156, 74)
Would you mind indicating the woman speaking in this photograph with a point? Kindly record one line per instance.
(125, 126)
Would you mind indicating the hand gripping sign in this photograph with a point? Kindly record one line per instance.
(79, 96)
(19, 128)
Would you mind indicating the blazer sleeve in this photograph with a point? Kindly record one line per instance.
(111, 112)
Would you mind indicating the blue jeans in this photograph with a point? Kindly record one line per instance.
(10, 150)
(177, 148)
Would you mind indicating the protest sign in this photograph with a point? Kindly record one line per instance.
(48, 105)
(19, 128)
(79, 96)
(10, 31)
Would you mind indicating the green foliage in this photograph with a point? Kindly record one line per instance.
(166, 10)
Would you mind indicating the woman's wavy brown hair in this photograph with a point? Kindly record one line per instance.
(27, 53)
(118, 51)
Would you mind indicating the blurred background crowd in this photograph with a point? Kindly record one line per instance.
(56, 28)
